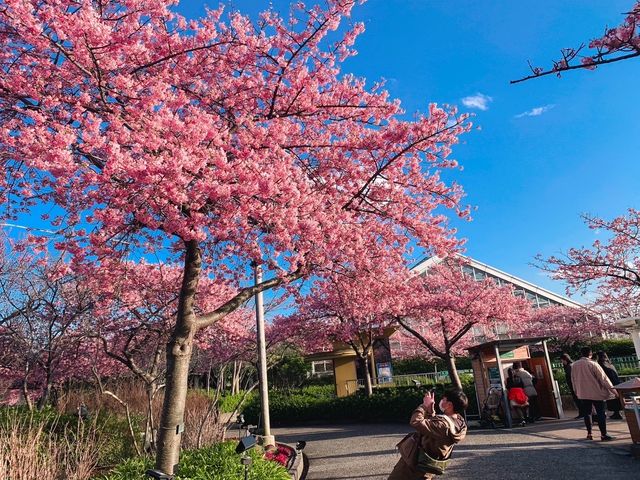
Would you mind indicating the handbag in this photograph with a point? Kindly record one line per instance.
(408, 448)
(427, 464)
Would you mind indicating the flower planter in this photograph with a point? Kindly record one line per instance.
(288, 457)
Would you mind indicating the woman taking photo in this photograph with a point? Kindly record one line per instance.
(426, 451)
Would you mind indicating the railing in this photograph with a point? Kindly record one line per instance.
(618, 362)
(416, 379)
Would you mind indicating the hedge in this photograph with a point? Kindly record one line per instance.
(408, 366)
(615, 347)
(320, 404)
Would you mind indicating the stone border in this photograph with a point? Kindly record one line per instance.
(298, 465)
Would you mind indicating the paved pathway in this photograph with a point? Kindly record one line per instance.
(547, 450)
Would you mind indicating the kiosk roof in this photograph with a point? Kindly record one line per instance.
(510, 343)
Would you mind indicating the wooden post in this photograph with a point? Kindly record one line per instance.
(505, 399)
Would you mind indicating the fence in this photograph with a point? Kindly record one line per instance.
(630, 362)
(416, 379)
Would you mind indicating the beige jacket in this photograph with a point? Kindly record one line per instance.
(589, 381)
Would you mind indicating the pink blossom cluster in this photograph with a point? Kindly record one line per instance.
(610, 268)
(619, 43)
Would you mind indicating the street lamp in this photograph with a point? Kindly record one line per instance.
(268, 440)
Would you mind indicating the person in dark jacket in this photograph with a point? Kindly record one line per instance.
(566, 364)
(437, 434)
(613, 405)
(528, 382)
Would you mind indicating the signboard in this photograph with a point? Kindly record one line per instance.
(519, 353)
(494, 376)
(384, 372)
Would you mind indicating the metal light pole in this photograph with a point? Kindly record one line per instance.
(268, 439)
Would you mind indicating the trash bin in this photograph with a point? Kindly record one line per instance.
(629, 393)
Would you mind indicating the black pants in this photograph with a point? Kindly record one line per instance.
(585, 410)
(534, 412)
(576, 401)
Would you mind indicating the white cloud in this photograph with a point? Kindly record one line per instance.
(479, 101)
(535, 112)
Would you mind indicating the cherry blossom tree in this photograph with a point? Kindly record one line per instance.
(445, 304)
(214, 144)
(353, 307)
(609, 264)
(609, 269)
(43, 305)
(617, 44)
(567, 325)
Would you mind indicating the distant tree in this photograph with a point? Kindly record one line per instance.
(42, 307)
(617, 44)
(445, 304)
(610, 268)
(353, 307)
(567, 325)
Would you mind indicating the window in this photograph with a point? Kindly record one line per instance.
(543, 301)
(480, 275)
(322, 367)
(468, 270)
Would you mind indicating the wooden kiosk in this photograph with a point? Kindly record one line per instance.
(345, 363)
(491, 361)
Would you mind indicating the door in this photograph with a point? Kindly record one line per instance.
(544, 387)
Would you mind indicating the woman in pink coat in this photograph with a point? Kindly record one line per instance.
(593, 388)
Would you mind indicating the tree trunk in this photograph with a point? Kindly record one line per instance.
(453, 371)
(367, 375)
(179, 350)
(149, 443)
(235, 380)
(25, 388)
(44, 399)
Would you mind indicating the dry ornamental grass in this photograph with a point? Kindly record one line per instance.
(31, 451)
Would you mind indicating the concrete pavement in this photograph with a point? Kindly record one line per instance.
(554, 449)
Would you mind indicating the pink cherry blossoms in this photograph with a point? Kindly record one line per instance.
(211, 144)
(617, 44)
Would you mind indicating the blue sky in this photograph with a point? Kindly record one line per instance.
(530, 176)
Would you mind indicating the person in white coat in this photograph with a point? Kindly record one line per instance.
(593, 388)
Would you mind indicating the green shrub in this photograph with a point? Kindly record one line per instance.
(320, 404)
(408, 366)
(218, 462)
(228, 403)
(615, 347)
(290, 371)
(560, 377)
(323, 380)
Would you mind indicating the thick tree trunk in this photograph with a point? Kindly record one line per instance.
(179, 350)
(453, 371)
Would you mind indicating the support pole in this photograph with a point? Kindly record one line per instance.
(554, 385)
(505, 399)
(635, 336)
(268, 439)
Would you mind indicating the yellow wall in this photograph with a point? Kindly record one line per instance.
(345, 375)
